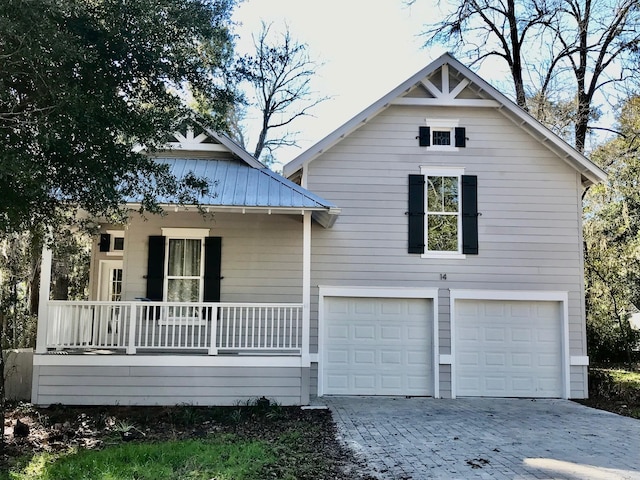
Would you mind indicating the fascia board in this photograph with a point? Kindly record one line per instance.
(588, 169)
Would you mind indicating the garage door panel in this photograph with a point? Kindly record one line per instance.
(468, 358)
(390, 382)
(495, 360)
(337, 382)
(363, 308)
(382, 346)
(364, 381)
(468, 333)
(418, 382)
(519, 334)
(418, 358)
(392, 358)
(522, 360)
(364, 358)
(364, 332)
(508, 348)
(494, 334)
(391, 333)
(338, 333)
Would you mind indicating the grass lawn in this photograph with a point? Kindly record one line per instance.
(221, 458)
(245, 442)
(615, 390)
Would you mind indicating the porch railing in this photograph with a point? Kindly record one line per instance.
(215, 327)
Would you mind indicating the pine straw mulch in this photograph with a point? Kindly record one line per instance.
(30, 430)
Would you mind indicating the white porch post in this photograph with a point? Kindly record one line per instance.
(43, 299)
(133, 319)
(306, 288)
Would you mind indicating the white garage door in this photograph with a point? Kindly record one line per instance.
(508, 348)
(378, 346)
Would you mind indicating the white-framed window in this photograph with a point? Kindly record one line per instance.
(184, 273)
(443, 211)
(116, 242)
(442, 134)
(184, 264)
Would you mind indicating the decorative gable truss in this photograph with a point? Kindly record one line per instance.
(446, 87)
(200, 142)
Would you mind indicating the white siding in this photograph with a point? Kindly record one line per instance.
(529, 230)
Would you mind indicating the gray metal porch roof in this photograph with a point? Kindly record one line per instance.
(236, 184)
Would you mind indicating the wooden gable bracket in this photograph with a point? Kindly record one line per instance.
(446, 96)
(190, 141)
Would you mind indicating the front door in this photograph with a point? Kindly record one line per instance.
(109, 290)
(110, 285)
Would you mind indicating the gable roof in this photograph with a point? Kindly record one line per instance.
(426, 88)
(211, 141)
(239, 182)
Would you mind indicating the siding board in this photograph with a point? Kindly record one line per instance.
(136, 385)
(529, 230)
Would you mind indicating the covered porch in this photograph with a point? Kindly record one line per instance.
(173, 327)
(206, 304)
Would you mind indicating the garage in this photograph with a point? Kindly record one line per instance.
(377, 346)
(508, 348)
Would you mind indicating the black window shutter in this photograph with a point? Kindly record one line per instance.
(416, 213)
(424, 136)
(461, 137)
(212, 268)
(470, 214)
(105, 242)
(155, 268)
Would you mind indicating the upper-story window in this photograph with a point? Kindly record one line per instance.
(443, 219)
(443, 213)
(442, 135)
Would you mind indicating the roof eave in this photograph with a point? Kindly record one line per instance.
(325, 216)
(589, 171)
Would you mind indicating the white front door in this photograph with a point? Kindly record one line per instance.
(110, 283)
(378, 346)
(108, 319)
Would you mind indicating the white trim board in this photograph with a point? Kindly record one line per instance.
(516, 295)
(162, 360)
(378, 292)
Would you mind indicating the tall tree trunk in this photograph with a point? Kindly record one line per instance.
(2, 392)
(516, 67)
(34, 275)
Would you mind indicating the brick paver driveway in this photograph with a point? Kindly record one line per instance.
(416, 438)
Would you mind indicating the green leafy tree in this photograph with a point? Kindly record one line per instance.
(612, 242)
(82, 83)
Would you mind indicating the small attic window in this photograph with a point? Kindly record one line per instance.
(442, 135)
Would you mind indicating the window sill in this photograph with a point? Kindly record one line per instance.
(442, 148)
(445, 255)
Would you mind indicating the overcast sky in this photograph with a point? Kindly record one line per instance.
(367, 48)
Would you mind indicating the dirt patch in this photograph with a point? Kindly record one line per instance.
(614, 390)
(304, 440)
